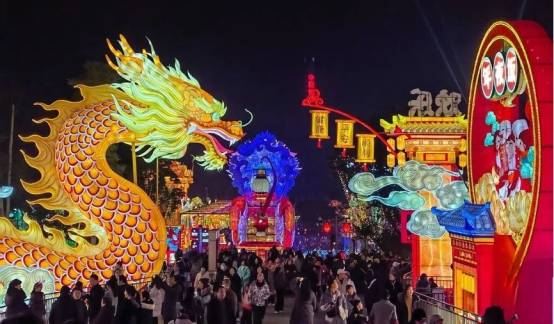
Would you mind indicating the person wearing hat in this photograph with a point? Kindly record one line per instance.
(15, 299)
(344, 280)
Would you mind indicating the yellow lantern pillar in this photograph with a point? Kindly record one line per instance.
(345, 135)
(320, 125)
(365, 150)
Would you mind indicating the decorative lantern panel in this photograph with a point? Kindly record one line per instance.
(345, 133)
(320, 124)
(392, 143)
(366, 145)
(326, 227)
(401, 157)
(391, 160)
(346, 228)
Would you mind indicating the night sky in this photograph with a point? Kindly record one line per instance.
(368, 56)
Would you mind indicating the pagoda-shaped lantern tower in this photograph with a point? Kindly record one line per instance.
(432, 137)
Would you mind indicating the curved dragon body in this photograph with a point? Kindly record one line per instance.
(108, 218)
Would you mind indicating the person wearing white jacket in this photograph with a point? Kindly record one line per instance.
(157, 293)
(344, 280)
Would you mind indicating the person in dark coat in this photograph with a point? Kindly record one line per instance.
(406, 302)
(394, 287)
(36, 303)
(107, 312)
(80, 305)
(172, 293)
(220, 310)
(358, 315)
(230, 296)
(146, 308)
(280, 283)
(94, 298)
(305, 304)
(64, 308)
(128, 307)
(15, 299)
(372, 292)
(26, 317)
(236, 282)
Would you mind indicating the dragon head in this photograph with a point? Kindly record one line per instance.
(169, 110)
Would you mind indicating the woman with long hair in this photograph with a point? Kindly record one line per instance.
(305, 303)
(405, 305)
(15, 299)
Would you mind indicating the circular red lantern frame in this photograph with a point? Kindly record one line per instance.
(534, 51)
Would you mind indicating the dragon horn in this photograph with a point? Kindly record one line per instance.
(114, 51)
(127, 49)
(111, 64)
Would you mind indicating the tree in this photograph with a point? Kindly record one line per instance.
(371, 221)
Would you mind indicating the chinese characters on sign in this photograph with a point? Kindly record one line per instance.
(320, 124)
(486, 77)
(500, 75)
(447, 104)
(512, 70)
(345, 133)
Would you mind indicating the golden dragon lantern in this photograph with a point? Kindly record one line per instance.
(107, 218)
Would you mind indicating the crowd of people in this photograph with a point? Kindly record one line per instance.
(343, 289)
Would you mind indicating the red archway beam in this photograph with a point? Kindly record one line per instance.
(313, 100)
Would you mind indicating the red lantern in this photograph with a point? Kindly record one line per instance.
(327, 227)
(346, 228)
(261, 223)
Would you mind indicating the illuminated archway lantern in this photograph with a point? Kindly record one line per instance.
(320, 125)
(345, 135)
(509, 146)
(366, 143)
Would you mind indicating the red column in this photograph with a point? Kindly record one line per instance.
(415, 259)
(484, 253)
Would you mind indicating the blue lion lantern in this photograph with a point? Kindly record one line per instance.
(263, 171)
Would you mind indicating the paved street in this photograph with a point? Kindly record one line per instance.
(284, 317)
(281, 318)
